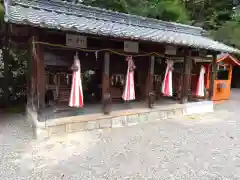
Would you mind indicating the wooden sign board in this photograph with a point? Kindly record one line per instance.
(76, 41)
(130, 46)
(170, 50)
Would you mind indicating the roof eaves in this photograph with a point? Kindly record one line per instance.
(94, 12)
(40, 17)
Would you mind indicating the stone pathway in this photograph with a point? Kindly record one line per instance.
(195, 147)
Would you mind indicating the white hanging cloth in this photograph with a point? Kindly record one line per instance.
(129, 90)
(167, 89)
(201, 84)
(76, 97)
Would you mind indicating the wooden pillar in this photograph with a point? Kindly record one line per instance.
(38, 61)
(149, 87)
(212, 76)
(30, 75)
(186, 77)
(105, 77)
(33, 75)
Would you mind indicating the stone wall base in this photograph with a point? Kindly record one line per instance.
(42, 130)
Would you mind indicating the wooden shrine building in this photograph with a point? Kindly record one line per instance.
(57, 30)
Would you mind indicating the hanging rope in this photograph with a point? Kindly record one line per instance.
(92, 50)
(99, 50)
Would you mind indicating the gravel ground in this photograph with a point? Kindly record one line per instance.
(203, 147)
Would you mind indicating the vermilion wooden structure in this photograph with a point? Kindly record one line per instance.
(222, 85)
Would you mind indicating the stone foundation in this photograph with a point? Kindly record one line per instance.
(68, 125)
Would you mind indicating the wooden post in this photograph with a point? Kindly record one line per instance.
(38, 59)
(186, 77)
(105, 77)
(212, 76)
(149, 87)
(106, 96)
(151, 73)
(33, 76)
(29, 75)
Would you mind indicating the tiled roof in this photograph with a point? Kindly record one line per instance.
(67, 16)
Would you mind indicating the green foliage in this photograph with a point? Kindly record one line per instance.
(17, 71)
(229, 33)
(169, 10)
(1, 12)
(210, 14)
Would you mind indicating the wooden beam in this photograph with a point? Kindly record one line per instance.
(186, 77)
(212, 76)
(38, 56)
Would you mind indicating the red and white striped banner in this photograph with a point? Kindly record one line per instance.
(167, 89)
(76, 97)
(129, 90)
(201, 84)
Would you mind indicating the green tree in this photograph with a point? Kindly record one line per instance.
(169, 10)
(1, 13)
(229, 33)
(1, 16)
(209, 14)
